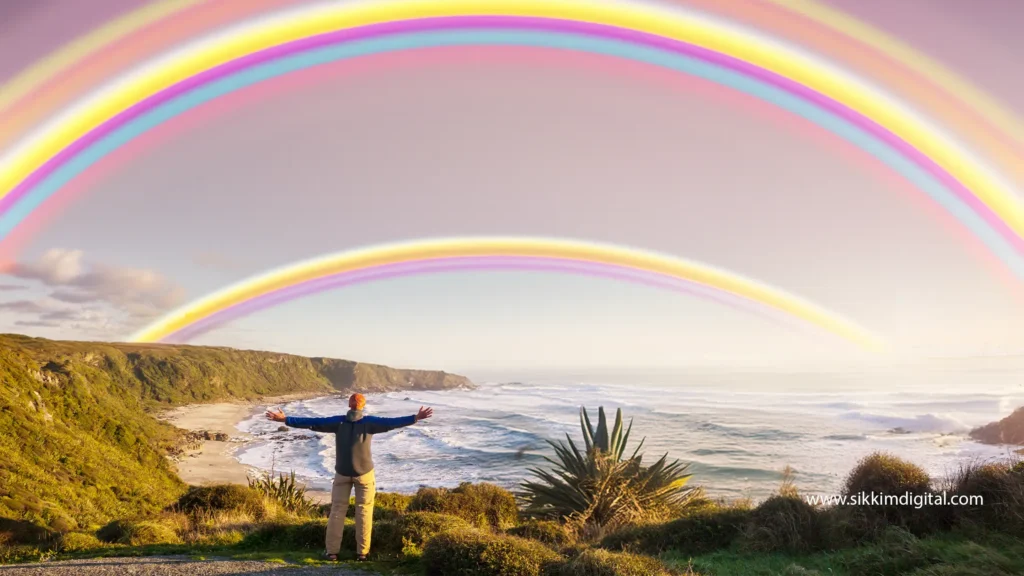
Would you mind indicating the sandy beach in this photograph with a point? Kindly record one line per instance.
(214, 462)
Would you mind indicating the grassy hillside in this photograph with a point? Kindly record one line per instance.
(80, 445)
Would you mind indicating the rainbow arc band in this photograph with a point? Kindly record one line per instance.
(40, 170)
(171, 18)
(494, 253)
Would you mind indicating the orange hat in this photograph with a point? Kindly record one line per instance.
(357, 401)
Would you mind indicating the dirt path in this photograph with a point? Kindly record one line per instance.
(170, 566)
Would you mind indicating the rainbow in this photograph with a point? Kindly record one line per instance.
(922, 153)
(494, 253)
(54, 81)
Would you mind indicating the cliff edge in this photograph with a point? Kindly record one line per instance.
(1009, 430)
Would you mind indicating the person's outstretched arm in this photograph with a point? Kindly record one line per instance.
(328, 424)
(378, 425)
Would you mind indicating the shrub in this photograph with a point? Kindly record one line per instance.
(883, 473)
(22, 532)
(782, 523)
(221, 497)
(476, 553)
(484, 505)
(135, 533)
(705, 530)
(61, 524)
(1002, 491)
(546, 531)
(598, 487)
(848, 526)
(386, 505)
(417, 528)
(284, 491)
(392, 501)
(113, 532)
(593, 562)
(307, 535)
(407, 533)
(77, 542)
(887, 475)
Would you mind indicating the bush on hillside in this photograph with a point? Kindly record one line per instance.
(77, 542)
(484, 505)
(782, 523)
(882, 473)
(477, 553)
(22, 532)
(546, 531)
(887, 475)
(386, 505)
(308, 535)
(416, 528)
(1001, 489)
(705, 530)
(137, 533)
(221, 497)
(595, 562)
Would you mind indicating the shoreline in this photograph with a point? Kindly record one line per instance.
(214, 462)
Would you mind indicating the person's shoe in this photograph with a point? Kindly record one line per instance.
(361, 558)
(330, 557)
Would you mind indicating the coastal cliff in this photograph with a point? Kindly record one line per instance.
(1009, 430)
(172, 375)
(80, 440)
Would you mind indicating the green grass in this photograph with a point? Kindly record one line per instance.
(994, 554)
(429, 543)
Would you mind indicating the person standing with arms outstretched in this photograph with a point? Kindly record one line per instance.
(354, 468)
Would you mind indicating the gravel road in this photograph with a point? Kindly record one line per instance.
(170, 566)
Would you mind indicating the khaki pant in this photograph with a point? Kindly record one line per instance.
(366, 487)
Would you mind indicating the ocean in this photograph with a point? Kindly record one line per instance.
(738, 430)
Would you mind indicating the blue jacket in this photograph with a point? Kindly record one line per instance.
(353, 433)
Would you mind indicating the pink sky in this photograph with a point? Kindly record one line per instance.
(507, 147)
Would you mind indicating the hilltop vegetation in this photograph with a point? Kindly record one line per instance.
(79, 441)
(476, 530)
(568, 521)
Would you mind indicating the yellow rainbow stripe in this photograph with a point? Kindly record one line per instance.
(911, 58)
(679, 26)
(614, 256)
(83, 47)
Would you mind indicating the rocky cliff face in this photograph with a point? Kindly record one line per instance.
(345, 375)
(1009, 430)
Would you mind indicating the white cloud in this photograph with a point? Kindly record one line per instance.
(91, 296)
(55, 267)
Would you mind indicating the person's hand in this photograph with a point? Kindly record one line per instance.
(276, 416)
(424, 413)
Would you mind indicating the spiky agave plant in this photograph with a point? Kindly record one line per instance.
(598, 486)
(285, 491)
